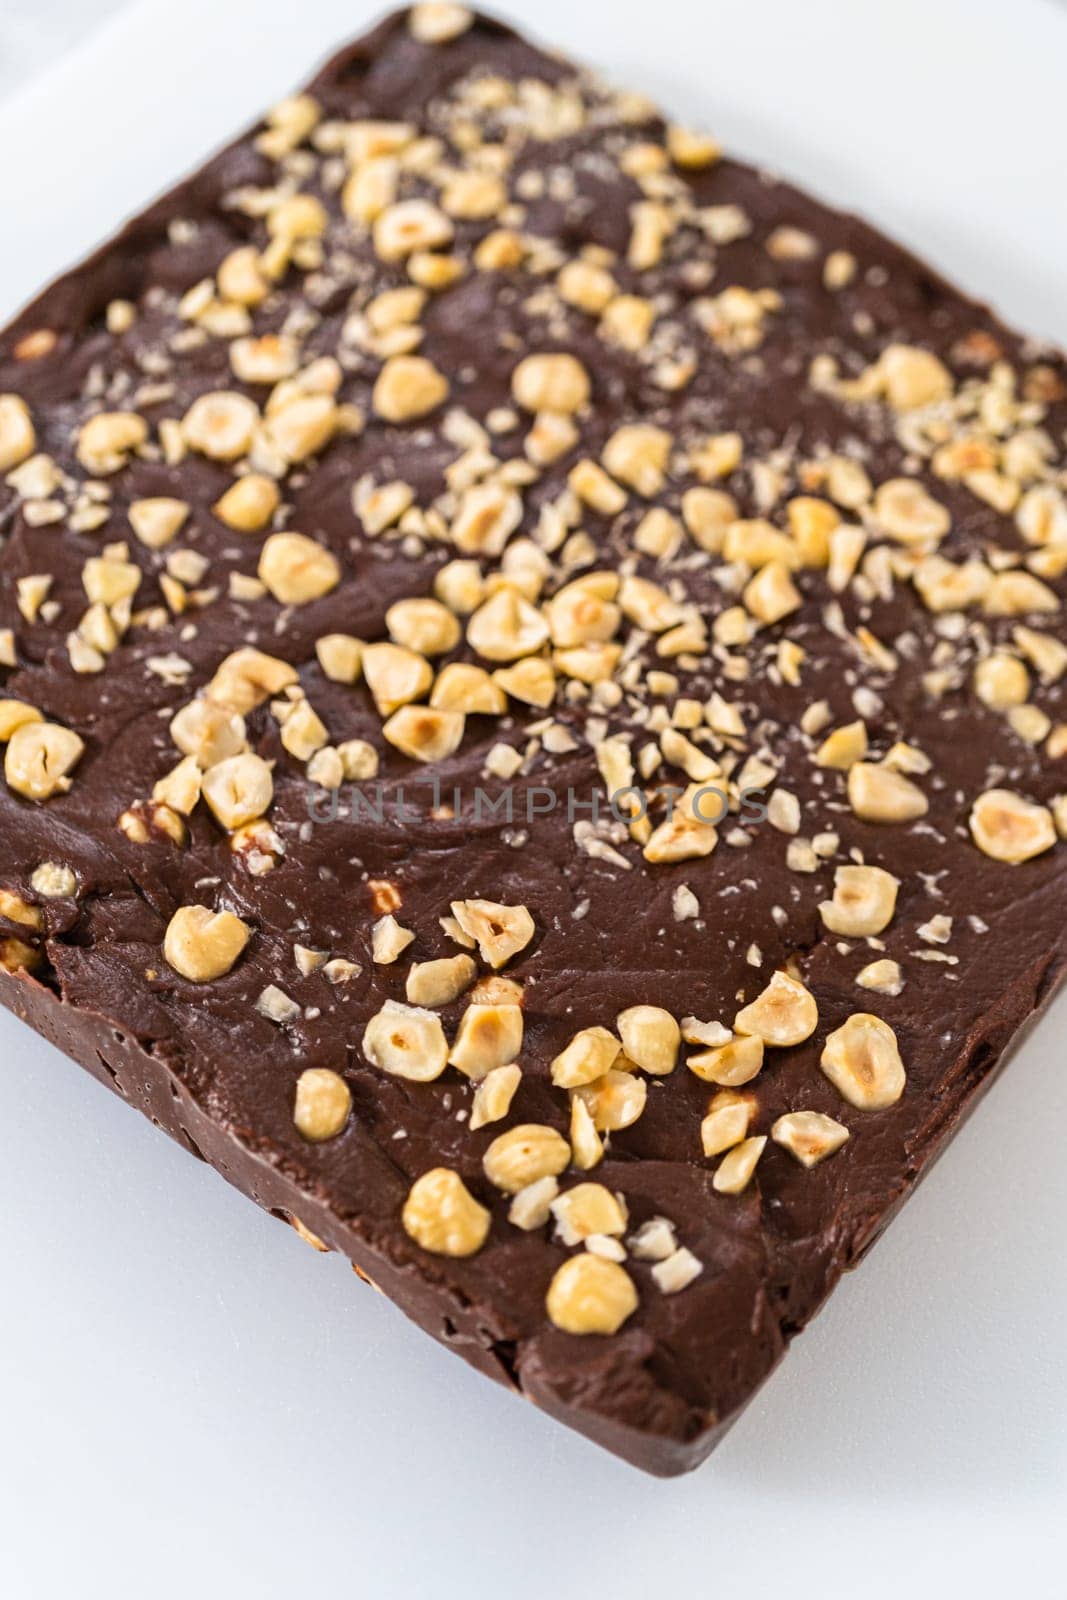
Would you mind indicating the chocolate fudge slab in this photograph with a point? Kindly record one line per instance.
(532, 703)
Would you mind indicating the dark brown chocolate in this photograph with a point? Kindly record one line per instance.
(789, 358)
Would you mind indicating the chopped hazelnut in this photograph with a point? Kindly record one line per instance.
(676, 1271)
(249, 503)
(107, 440)
(734, 1172)
(809, 1135)
(18, 439)
(407, 1042)
(587, 1057)
(884, 977)
(157, 521)
(864, 901)
(523, 1155)
(220, 425)
(1009, 828)
(588, 1208)
(438, 983)
(590, 1295)
(408, 387)
(425, 626)
(203, 945)
(410, 226)
(724, 1126)
(443, 1217)
(297, 569)
(239, 789)
(425, 734)
(878, 794)
(650, 1037)
(323, 1104)
(489, 1036)
(389, 940)
(530, 1208)
(557, 383)
(39, 759)
(493, 1097)
(784, 1014)
(395, 675)
(862, 1061)
(731, 1064)
(614, 1101)
(499, 931)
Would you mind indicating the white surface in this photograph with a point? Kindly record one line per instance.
(197, 1404)
(36, 33)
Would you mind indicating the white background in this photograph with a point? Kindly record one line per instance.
(194, 1403)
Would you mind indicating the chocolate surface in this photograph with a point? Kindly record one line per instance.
(769, 318)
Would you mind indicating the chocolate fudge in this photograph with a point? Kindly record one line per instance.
(532, 705)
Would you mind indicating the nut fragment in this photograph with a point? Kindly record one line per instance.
(499, 931)
(650, 1037)
(438, 21)
(734, 1172)
(843, 748)
(107, 440)
(201, 944)
(239, 789)
(904, 510)
(220, 425)
(438, 983)
(248, 504)
(523, 1154)
(208, 732)
(247, 677)
(784, 1014)
(16, 714)
(864, 901)
(408, 387)
(39, 758)
(724, 1126)
(1001, 681)
(489, 1036)
(878, 794)
(588, 1208)
(530, 1207)
(389, 940)
(809, 1135)
(425, 734)
(158, 520)
(13, 908)
(395, 675)
(614, 1101)
(407, 1042)
(297, 569)
(340, 656)
(18, 439)
(556, 383)
(913, 377)
(442, 1215)
(1009, 828)
(323, 1104)
(425, 626)
(884, 977)
(590, 1295)
(588, 1056)
(730, 1064)
(53, 881)
(493, 1096)
(862, 1061)
(408, 226)
(507, 627)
